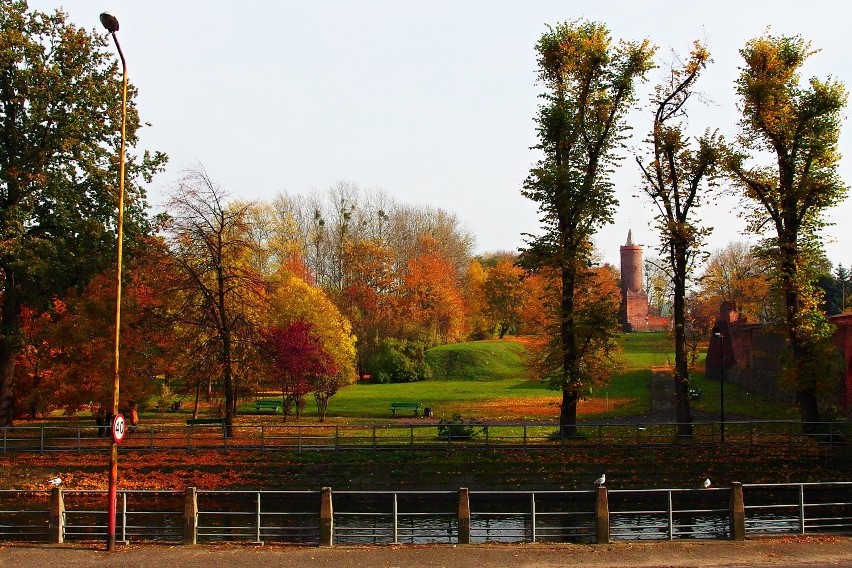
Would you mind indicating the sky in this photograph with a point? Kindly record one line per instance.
(432, 101)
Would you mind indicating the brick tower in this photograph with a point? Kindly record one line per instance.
(634, 300)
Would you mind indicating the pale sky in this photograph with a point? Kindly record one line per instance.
(432, 102)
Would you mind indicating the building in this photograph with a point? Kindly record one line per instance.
(634, 314)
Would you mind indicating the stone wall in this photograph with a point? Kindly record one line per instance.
(751, 356)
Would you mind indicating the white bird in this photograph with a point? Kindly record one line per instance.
(56, 481)
(707, 483)
(601, 480)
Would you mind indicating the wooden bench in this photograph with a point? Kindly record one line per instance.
(415, 406)
(695, 394)
(205, 422)
(272, 406)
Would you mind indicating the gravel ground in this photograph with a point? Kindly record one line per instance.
(815, 552)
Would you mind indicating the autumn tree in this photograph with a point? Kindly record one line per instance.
(221, 293)
(504, 296)
(60, 111)
(596, 328)
(676, 173)
(431, 297)
(369, 297)
(739, 275)
(589, 88)
(795, 129)
(291, 299)
(77, 345)
(658, 286)
(473, 295)
(295, 357)
(701, 315)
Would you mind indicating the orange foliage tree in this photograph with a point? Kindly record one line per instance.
(505, 296)
(597, 298)
(68, 361)
(432, 306)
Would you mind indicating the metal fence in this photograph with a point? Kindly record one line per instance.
(318, 437)
(382, 517)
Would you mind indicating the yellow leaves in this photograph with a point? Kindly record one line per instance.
(291, 298)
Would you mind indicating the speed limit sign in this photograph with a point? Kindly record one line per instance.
(118, 428)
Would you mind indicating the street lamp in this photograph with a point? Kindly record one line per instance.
(717, 331)
(110, 22)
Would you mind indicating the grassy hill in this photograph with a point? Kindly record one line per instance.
(478, 361)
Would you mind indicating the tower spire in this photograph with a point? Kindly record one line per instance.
(629, 238)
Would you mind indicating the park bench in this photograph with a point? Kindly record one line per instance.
(272, 406)
(415, 406)
(695, 394)
(205, 422)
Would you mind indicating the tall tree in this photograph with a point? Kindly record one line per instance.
(596, 328)
(589, 88)
(798, 127)
(674, 176)
(60, 111)
(209, 242)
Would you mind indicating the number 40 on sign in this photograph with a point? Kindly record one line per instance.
(118, 428)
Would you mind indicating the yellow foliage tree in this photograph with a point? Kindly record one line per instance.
(292, 299)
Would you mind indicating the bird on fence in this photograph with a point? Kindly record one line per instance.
(601, 480)
(707, 483)
(56, 481)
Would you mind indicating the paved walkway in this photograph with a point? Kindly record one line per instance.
(813, 552)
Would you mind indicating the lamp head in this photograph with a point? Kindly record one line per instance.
(110, 22)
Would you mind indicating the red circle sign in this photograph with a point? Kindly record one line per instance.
(118, 428)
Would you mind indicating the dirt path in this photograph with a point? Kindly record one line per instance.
(815, 552)
(662, 408)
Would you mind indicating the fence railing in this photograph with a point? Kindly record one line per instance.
(312, 437)
(463, 516)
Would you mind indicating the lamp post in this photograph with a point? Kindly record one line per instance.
(110, 22)
(717, 331)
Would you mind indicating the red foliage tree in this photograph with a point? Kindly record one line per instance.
(296, 359)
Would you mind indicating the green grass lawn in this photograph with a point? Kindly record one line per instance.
(488, 380)
(478, 379)
(478, 361)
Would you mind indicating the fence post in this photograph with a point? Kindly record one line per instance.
(737, 511)
(326, 528)
(56, 523)
(532, 517)
(602, 516)
(190, 516)
(464, 515)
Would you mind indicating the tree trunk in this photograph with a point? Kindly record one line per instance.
(10, 331)
(806, 397)
(7, 381)
(568, 412)
(681, 374)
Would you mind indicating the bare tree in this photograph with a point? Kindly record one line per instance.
(207, 239)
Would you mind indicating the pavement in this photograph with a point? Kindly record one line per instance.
(810, 551)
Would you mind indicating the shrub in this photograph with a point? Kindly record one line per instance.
(456, 428)
(399, 361)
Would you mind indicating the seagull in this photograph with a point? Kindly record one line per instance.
(56, 481)
(707, 483)
(601, 480)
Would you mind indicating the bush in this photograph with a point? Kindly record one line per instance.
(399, 361)
(456, 428)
